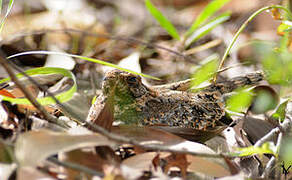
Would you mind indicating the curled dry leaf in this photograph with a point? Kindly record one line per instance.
(35, 146)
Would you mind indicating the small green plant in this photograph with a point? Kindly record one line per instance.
(206, 70)
(198, 28)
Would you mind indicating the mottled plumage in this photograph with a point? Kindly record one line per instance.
(134, 102)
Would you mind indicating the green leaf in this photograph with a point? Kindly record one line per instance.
(278, 66)
(209, 10)
(239, 101)
(7, 13)
(163, 21)
(206, 71)
(84, 58)
(266, 148)
(285, 26)
(281, 111)
(62, 97)
(265, 99)
(202, 31)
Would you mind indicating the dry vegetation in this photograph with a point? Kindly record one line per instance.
(54, 55)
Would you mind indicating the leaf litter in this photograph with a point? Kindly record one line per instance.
(148, 43)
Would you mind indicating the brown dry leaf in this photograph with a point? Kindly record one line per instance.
(86, 158)
(35, 146)
(101, 112)
(209, 166)
(256, 128)
(193, 134)
(147, 135)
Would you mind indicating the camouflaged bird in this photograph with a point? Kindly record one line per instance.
(170, 105)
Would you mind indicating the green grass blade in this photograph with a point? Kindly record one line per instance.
(163, 21)
(10, 5)
(62, 97)
(206, 71)
(83, 58)
(266, 148)
(202, 31)
(209, 10)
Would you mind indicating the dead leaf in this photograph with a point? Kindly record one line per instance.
(193, 134)
(83, 157)
(35, 146)
(209, 166)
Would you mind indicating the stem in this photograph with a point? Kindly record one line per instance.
(243, 26)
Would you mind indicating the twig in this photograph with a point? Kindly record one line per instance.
(28, 95)
(267, 137)
(75, 166)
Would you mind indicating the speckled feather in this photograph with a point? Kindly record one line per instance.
(135, 103)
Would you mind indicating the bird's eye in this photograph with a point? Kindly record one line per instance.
(132, 79)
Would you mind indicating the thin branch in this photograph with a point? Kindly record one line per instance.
(28, 94)
(267, 137)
